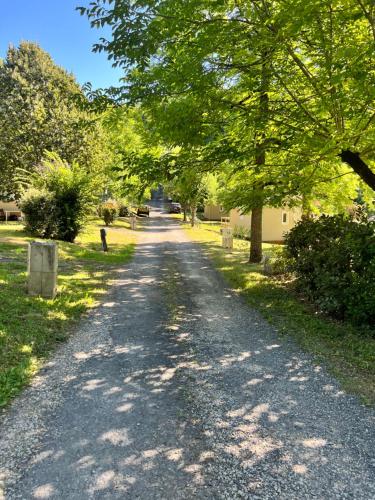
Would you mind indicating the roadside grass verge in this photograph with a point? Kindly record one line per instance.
(347, 351)
(31, 327)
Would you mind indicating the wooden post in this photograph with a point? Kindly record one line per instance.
(103, 237)
(133, 223)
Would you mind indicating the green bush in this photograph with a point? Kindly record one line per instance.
(123, 209)
(108, 211)
(58, 201)
(241, 232)
(39, 209)
(334, 261)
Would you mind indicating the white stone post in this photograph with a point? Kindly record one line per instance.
(42, 269)
(227, 237)
(133, 223)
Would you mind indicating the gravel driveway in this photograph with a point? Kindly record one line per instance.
(175, 389)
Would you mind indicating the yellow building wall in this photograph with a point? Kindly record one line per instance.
(9, 205)
(274, 228)
(213, 212)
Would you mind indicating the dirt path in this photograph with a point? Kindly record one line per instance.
(173, 389)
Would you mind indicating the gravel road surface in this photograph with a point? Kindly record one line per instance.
(175, 389)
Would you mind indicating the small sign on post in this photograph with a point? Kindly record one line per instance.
(133, 223)
(103, 237)
(42, 266)
(227, 238)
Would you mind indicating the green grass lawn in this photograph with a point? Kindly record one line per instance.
(30, 327)
(348, 351)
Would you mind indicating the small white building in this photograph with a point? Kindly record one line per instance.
(276, 222)
(214, 212)
(9, 209)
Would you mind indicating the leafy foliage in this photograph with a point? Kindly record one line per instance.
(39, 111)
(108, 211)
(59, 200)
(39, 209)
(250, 76)
(334, 260)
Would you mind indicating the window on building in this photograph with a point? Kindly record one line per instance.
(285, 218)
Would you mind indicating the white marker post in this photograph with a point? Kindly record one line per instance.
(42, 269)
(227, 238)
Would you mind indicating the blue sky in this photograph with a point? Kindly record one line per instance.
(61, 31)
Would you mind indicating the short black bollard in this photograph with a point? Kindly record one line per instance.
(103, 235)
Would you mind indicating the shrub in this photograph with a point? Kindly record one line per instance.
(276, 262)
(39, 207)
(58, 201)
(241, 232)
(334, 261)
(123, 211)
(108, 211)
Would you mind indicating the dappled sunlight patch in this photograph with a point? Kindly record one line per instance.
(44, 491)
(299, 379)
(112, 390)
(57, 315)
(254, 381)
(273, 346)
(93, 384)
(173, 328)
(299, 469)
(206, 456)
(116, 437)
(228, 360)
(252, 449)
(168, 374)
(103, 481)
(40, 457)
(109, 304)
(152, 453)
(314, 443)
(83, 355)
(174, 454)
(124, 408)
(85, 462)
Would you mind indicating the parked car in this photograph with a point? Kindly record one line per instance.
(175, 208)
(143, 211)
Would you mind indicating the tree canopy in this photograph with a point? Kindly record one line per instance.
(39, 112)
(319, 69)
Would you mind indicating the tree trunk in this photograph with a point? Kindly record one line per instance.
(306, 208)
(256, 235)
(359, 166)
(260, 159)
(184, 211)
(193, 210)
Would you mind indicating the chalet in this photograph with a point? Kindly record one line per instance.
(9, 210)
(276, 221)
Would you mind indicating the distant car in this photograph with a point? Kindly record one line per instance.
(175, 208)
(143, 211)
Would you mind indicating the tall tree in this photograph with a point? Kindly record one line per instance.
(313, 109)
(39, 112)
(326, 77)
